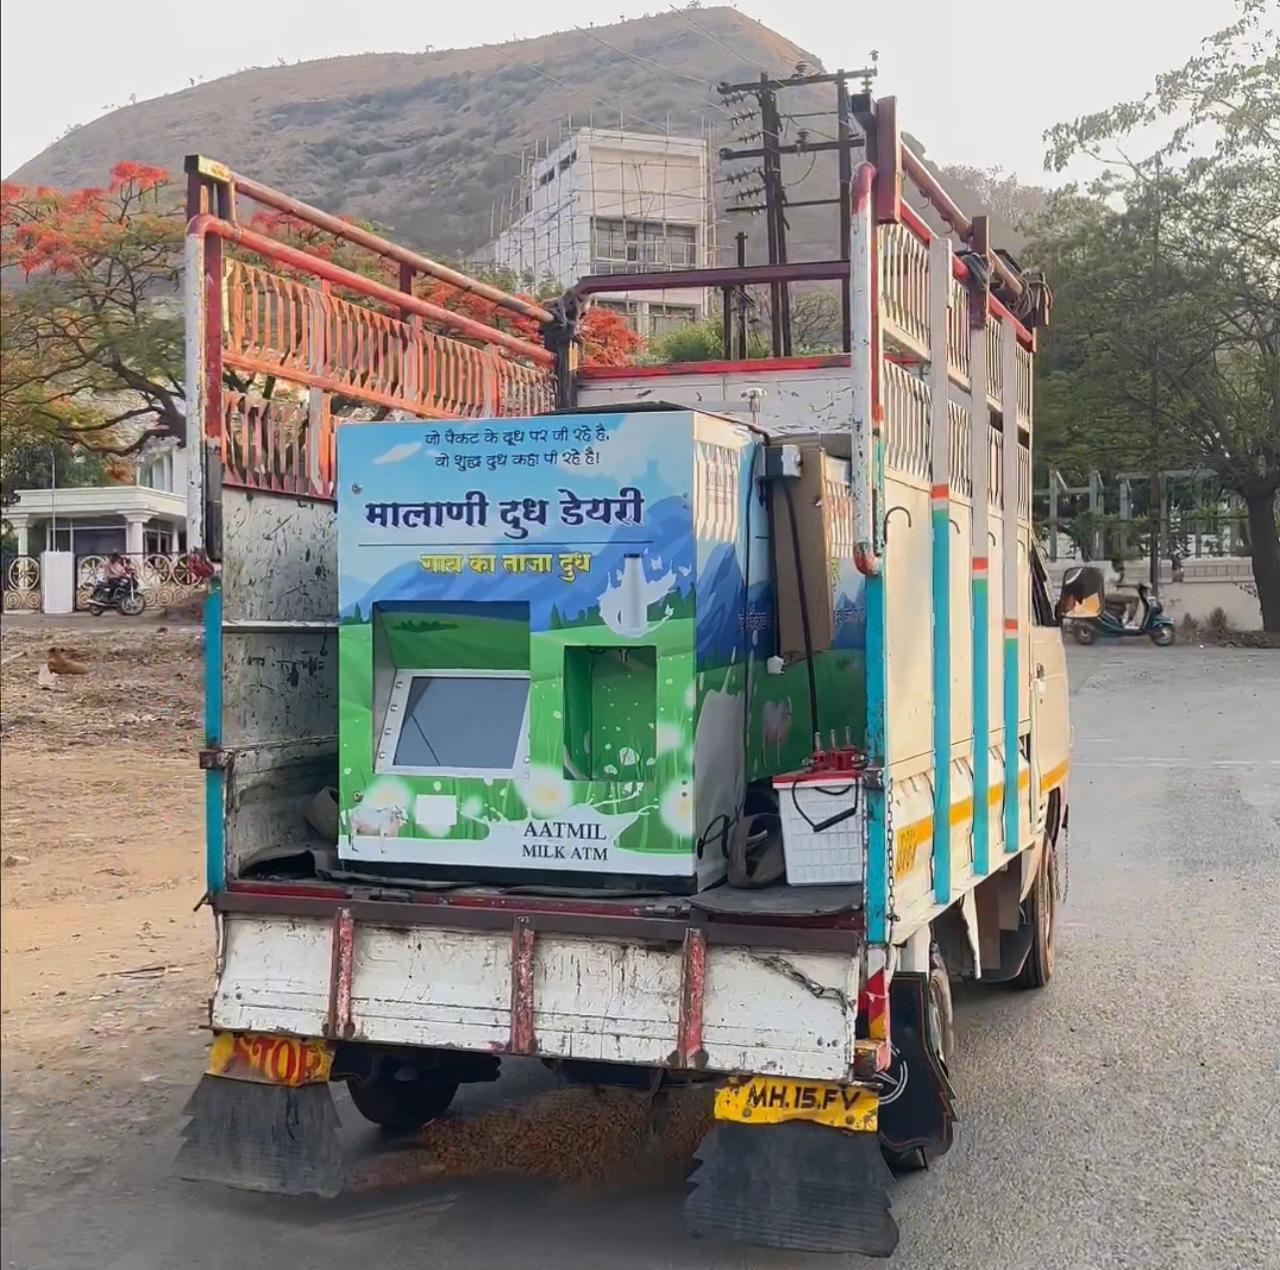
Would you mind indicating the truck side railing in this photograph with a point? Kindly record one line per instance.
(282, 341)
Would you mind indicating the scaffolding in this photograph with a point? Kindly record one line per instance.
(548, 224)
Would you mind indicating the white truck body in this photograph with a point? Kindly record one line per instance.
(967, 731)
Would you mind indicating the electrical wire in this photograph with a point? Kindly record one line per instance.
(755, 66)
(831, 821)
(648, 61)
(814, 724)
(515, 61)
(752, 495)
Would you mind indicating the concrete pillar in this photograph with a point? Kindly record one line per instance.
(58, 582)
(21, 527)
(133, 539)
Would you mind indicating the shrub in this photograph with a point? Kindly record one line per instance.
(1218, 623)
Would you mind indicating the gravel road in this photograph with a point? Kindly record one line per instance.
(1127, 1116)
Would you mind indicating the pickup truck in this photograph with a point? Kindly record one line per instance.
(680, 724)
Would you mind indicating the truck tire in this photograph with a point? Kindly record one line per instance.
(401, 1105)
(1042, 911)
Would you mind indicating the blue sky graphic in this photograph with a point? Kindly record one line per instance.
(400, 463)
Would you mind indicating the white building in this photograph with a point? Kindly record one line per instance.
(147, 517)
(610, 201)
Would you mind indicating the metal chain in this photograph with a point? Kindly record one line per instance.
(891, 916)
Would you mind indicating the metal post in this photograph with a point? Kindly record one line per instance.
(1055, 477)
(979, 574)
(53, 498)
(940, 521)
(845, 136)
(1010, 586)
(1095, 511)
(741, 239)
(867, 470)
(770, 126)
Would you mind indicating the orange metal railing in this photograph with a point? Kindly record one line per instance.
(295, 346)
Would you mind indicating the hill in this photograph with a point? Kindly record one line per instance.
(423, 143)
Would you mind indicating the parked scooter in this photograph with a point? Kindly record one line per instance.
(1109, 624)
(122, 594)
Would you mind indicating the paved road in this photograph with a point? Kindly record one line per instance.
(1127, 1116)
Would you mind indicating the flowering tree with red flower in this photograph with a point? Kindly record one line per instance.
(92, 346)
(91, 325)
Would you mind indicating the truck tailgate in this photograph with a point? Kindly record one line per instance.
(727, 1007)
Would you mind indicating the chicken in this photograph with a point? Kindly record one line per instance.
(62, 661)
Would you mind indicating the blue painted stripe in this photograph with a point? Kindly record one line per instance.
(981, 726)
(215, 866)
(877, 899)
(1012, 838)
(941, 702)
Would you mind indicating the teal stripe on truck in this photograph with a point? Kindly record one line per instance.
(981, 725)
(941, 522)
(215, 864)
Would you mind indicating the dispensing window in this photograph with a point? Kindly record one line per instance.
(456, 723)
(610, 712)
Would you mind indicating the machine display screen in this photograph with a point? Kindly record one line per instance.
(455, 722)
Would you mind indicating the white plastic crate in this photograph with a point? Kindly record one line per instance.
(822, 827)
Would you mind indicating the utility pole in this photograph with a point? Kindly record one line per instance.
(845, 136)
(774, 197)
(741, 239)
(1155, 498)
(773, 190)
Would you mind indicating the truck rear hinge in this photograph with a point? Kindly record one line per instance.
(215, 759)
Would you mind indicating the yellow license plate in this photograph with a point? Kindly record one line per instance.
(765, 1100)
(270, 1060)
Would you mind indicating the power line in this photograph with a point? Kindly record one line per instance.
(648, 61)
(755, 66)
(515, 61)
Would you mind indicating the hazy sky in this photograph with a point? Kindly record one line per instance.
(1059, 58)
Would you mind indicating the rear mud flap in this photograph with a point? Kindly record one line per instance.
(1015, 946)
(259, 1137)
(917, 1104)
(801, 1186)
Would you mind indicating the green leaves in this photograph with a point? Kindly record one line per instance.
(1165, 345)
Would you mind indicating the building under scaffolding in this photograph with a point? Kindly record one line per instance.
(610, 201)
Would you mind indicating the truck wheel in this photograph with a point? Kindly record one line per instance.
(1042, 903)
(942, 1043)
(400, 1105)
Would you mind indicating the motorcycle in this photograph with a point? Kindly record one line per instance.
(122, 594)
(1110, 624)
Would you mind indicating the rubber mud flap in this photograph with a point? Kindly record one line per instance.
(917, 1106)
(801, 1186)
(258, 1137)
(1015, 946)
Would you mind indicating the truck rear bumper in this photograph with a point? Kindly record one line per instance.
(683, 1002)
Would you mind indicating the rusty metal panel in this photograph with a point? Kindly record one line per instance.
(590, 998)
(280, 559)
(268, 791)
(278, 686)
(279, 671)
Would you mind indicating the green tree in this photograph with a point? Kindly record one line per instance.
(1165, 347)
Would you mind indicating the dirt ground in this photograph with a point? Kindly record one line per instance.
(100, 869)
